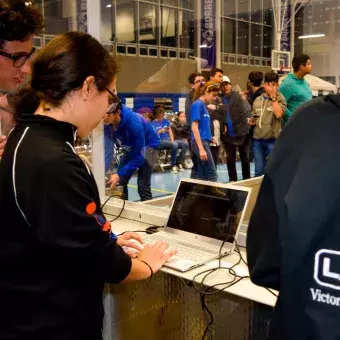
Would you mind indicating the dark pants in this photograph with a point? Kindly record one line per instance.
(215, 151)
(206, 169)
(173, 147)
(261, 150)
(143, 177)
(243, 149)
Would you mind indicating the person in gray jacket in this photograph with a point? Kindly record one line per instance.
(268, 110)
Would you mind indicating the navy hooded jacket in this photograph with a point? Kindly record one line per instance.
(134, 135)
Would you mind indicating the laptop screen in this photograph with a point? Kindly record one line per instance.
(207, 210)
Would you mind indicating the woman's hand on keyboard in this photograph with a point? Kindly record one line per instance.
(155, 255)
(128, 242)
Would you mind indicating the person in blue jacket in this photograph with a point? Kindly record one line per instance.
(138, 139)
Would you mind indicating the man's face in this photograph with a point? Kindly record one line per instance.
(308, 68)
(198, 81)
(12, 77)
(217, 78)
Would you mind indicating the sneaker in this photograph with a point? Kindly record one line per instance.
(174, 169)
(180, 167)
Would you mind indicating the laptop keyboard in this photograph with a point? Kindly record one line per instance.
(196, 253)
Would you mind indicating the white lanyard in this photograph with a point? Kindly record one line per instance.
(263, 106)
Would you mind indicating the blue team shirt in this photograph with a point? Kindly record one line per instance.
(199, 112)
(163, 124)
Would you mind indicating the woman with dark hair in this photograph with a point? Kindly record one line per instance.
(201, 130)
(56, 247)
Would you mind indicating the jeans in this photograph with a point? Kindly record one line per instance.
(143, 177)
(206, 169)
(261, 150)
(174, 146)
(243, 149)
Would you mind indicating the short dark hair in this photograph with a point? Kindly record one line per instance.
(256, 78)
(300, 60)
(62, 66)
(157, 110)
(271, 77)
(179, 113)
(214, 71)
(18, 20)
(193, 76)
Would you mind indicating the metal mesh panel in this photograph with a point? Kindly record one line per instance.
(163, 308)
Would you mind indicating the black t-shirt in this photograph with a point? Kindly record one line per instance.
(56, 248)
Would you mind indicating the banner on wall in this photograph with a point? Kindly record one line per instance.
(285, 17)
(82, 15)
(208, 35)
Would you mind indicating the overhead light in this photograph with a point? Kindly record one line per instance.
(108, 6)
(203, 46)
(311, 36)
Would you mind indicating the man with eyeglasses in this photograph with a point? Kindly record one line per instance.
(19, 22)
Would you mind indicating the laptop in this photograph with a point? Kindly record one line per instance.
(203, 216)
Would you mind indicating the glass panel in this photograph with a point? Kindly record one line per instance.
(243, 9)
(170, 2)
(169, 27)
(186, 29)
(243, 38)
(256, 11)
(229, 36)
(268, 14)
(147, 24)
(125, 21)
(229, 8)
(189, 4)
(267, 41)
(256, 34)
(61, 16)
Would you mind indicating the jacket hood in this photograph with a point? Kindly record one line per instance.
(125, 113)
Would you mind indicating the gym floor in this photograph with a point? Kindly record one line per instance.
(165, 183)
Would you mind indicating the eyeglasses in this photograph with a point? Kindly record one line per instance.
(20, 59)
(201, 81)
(115, 103)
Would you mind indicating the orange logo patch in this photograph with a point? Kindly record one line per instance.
(91, 208)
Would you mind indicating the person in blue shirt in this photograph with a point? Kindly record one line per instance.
(138, 140)
(201, 130)
(168, 142)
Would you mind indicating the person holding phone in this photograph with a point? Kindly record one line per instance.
(168, 142)
(268, 110)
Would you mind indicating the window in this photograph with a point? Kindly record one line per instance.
(243, 9)
(188, 4)
(267, 41)
(170, 2)
(243, 38)
(256, 37)
(147, 24)
(125, 21)
(186, 29)
(169, 26)
(229, 8)
(256, 11)
(228, 36)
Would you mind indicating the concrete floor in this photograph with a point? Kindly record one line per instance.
(165, 183)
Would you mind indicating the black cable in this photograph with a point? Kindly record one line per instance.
(120, 213)
(104, 204)
(132, 231)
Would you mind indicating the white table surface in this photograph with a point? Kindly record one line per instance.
(245, 288)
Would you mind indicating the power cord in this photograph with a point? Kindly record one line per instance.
(122, 209)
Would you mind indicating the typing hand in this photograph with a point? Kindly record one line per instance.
(126, 240)
(155, 255)
(3, 140)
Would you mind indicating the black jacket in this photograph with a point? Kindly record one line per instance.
(180, 131)
(293, 236)
(239, 111)
(56, 250)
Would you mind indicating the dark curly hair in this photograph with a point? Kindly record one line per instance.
(18, 20)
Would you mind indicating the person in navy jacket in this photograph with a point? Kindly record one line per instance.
(137, 138)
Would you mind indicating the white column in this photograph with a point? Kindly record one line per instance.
(98, 167)
(218, 33)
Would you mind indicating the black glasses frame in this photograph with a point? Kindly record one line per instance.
(20, 59)
(115, 105)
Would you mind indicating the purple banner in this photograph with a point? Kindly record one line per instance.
(82, 15)
(285, 16)
(208, 35)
